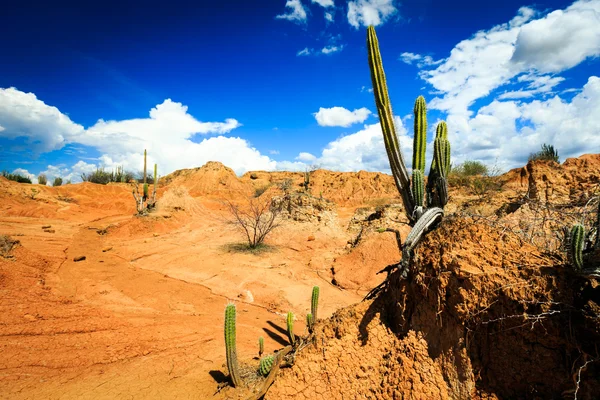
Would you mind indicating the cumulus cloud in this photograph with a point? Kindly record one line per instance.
(45, 128)
(324, 3)
(362, 150)
(560, 40)
(534, 47)
(331, 49)
(370, 12)
(303, 52)
(27, 174)
(340, 116)
(419, 60)
(296, 12)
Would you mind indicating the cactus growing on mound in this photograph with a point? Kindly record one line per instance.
(265, 365)
(230, 345)
(290, 328)
(144, 197)
(412, 193)
(576, 246)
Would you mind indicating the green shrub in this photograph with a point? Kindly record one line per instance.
(57, 181)
(548, 153)
(470, 168)
(104, 177)
(260, 190)
(42, 180)
(15, 177)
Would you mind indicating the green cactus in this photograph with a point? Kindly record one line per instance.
(261, 346)
(309, 322)
(265, 365)
(418, 187)
(577, 238)
(413, 196)
(314, 303)
(420, 135)
(230, 346)
(386, 118)
(145, 191)
(290, 328)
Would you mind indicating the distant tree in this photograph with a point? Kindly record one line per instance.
(42, 180)
(57, 181)
(547, 153)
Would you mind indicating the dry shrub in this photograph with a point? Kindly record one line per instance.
(7, 244)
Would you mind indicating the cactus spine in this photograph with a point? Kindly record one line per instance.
(266, 363)
(314, 304)
(230, 345)
(261, 346)
(577, 238)
(290, 328)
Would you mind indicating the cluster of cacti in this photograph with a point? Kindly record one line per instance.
(412, 191)
(145, 197)
(230, 345)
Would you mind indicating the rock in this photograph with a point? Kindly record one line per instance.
(311, 238)
(79, 258)
(46, 226)
(104, 250)
(253, 176)
(49, 230)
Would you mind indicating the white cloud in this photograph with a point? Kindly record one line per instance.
(492, 58)
(421, 61)
(560, 40)
(324, 3)
(297, 12)
(331, 49)
(340, 116)
(366, 89)
(303, 52)
(329, 16)
(44, 127)
(306, 157)
(509, 131)
(370, 12)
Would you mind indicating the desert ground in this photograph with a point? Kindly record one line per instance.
(141, 316)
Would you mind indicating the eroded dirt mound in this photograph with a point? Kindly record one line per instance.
(482, 315)
(213, 178)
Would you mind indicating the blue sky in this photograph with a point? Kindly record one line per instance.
(285, 84)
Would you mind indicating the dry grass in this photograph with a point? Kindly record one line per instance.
(7, 244)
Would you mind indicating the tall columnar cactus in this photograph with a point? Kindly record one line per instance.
(413, 196)
(230, 345)
(145, 183)
(314, 304)
(576, 246)
(290, 328)
(261, 346)
(265, 365)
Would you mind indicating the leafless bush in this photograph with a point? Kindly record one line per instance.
(255, 218)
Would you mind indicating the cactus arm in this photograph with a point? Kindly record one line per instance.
(314, 303)
(430, 217)
(230, 346)
(261, 346)
(420, 135)
(290, 328)
(386, 118)
(576, 246)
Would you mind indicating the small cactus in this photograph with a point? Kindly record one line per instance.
(265, 365)
(309, 322)
(230, 346)
(314, 303)
(290, 328)
(261, 346)
(576, 246)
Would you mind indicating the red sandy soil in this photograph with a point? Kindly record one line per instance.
(142, 315)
